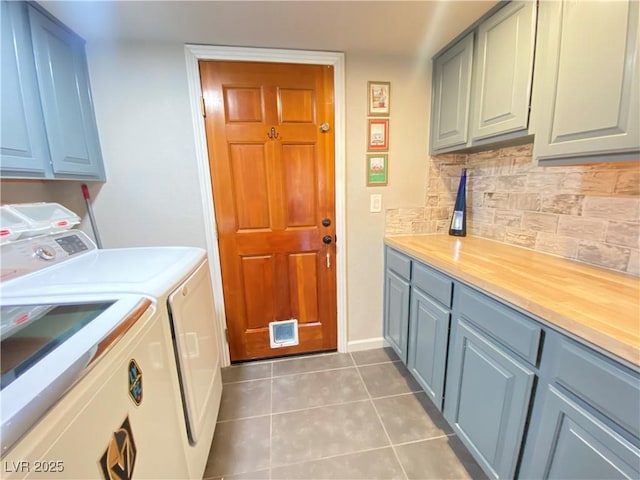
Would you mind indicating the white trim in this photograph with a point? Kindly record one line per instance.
(367, 344)
(193, 53)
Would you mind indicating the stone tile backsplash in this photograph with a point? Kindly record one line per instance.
(589, 213)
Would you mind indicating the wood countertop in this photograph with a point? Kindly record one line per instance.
(599, 306)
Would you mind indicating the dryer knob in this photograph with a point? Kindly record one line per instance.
(45, 253)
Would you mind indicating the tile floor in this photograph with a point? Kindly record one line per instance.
(357, 415)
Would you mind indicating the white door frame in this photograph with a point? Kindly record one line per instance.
(193, 53)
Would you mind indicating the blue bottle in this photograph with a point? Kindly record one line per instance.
(458, 225)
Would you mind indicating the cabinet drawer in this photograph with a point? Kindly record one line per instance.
(399, 263)
(432, 283)
(609, 388)
(516, 331)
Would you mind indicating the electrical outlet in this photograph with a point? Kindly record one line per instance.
(375, 205)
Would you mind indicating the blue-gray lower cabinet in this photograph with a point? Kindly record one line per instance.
(428, 338)
(573, 443)
(487, 399)
(396, 312)
(526, 400)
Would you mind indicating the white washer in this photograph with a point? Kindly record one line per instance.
(177, 277)
(85, 379)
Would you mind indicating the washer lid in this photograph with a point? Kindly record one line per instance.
(53, 347)
(146, 270)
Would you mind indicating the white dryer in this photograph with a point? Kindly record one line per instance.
(177, 278)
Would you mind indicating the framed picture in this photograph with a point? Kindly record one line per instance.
(378, 135)
(377, 169)
(378, 94)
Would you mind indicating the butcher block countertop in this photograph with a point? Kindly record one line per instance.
(599, 306)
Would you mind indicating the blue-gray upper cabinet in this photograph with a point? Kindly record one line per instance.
(586, 100)
(63, 82)
(396, 301)
(23, 147)
(503, 72)
(488, 386)
(48, 122)
(451, 93)
(482, 84)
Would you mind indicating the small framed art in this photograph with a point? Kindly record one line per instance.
(378, 94)
(378, 135)
(377, 169)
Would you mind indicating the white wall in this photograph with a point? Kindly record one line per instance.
(408, 127)
(141, 100)
(152, 192)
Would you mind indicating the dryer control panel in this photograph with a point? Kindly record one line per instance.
(32, 254)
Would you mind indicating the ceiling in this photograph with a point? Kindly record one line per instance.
(404, 28)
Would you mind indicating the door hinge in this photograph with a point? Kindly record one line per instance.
(226, 335)
(202, 107)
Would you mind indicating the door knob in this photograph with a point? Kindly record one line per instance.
(325, 127)
(326, 222)
(327, 239)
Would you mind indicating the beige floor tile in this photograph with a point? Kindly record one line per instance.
(294, 392)
(376, 355)
(245, 399)
(332, 416)
(246, 371)
(261, 475)
(386, 379)
(239, 446)
(311, 363)
(411, 417)
(377, 464)
(442, 458)
(325, 431)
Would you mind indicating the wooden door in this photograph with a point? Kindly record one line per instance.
(272, 171)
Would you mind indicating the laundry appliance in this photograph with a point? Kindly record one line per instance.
(175, 279)
(85, 378)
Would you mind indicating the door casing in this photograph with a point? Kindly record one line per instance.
(193, 53)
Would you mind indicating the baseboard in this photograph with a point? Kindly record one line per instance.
(366, 344)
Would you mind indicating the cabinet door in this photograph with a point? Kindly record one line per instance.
(396, 313)
(572, 443)
(451, 95)
(23, 147)
(586, 90)
(488, 394)
(66, 99)
(428, 336)
(503, 71)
